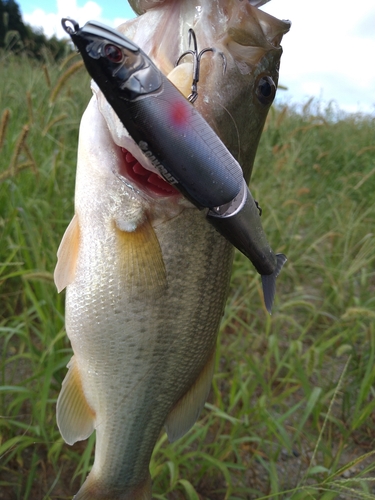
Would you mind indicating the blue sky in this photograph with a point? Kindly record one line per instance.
(110, 8)
(328, 53)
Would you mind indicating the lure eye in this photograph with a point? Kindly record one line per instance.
(266, 90)
(113, 53)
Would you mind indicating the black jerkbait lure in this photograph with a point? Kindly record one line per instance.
(181, 145)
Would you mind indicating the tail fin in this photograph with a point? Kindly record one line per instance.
(269, 282)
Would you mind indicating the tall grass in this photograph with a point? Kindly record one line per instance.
(292, 410)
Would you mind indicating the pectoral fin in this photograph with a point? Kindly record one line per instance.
(67, 256)
(75, 418)
(185, 413)
(141, 259)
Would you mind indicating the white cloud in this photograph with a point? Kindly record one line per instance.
(51, 22)
(46, 22)
(328, 52)
(366, 26)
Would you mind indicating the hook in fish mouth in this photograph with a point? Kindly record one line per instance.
(196, 63)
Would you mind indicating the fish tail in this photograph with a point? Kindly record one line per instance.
(96, 489)
(269, 282)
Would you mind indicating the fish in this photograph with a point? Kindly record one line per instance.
(146, 277)
(181, 145)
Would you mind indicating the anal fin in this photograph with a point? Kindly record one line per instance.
(185, 413)
(67, 255)
(75, 418)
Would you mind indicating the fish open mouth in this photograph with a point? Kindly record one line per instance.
(144, 179)
(128, 167)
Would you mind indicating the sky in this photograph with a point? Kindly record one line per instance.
(328, 54)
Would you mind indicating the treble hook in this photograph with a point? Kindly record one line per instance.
(196, 63)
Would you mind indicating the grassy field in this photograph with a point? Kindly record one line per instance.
(292, 410)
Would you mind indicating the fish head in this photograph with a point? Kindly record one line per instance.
(237, 80)
(236, 102)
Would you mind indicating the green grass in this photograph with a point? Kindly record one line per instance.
(292, 410)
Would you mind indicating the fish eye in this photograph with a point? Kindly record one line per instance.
(266, 90)
(113, 53)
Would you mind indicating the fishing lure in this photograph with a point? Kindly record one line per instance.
(177, 140)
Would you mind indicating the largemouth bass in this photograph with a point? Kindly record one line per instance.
(146, 277)
(184, 149)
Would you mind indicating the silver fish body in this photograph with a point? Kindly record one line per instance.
(146, 277)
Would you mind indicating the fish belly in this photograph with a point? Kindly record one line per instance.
(140, 343)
